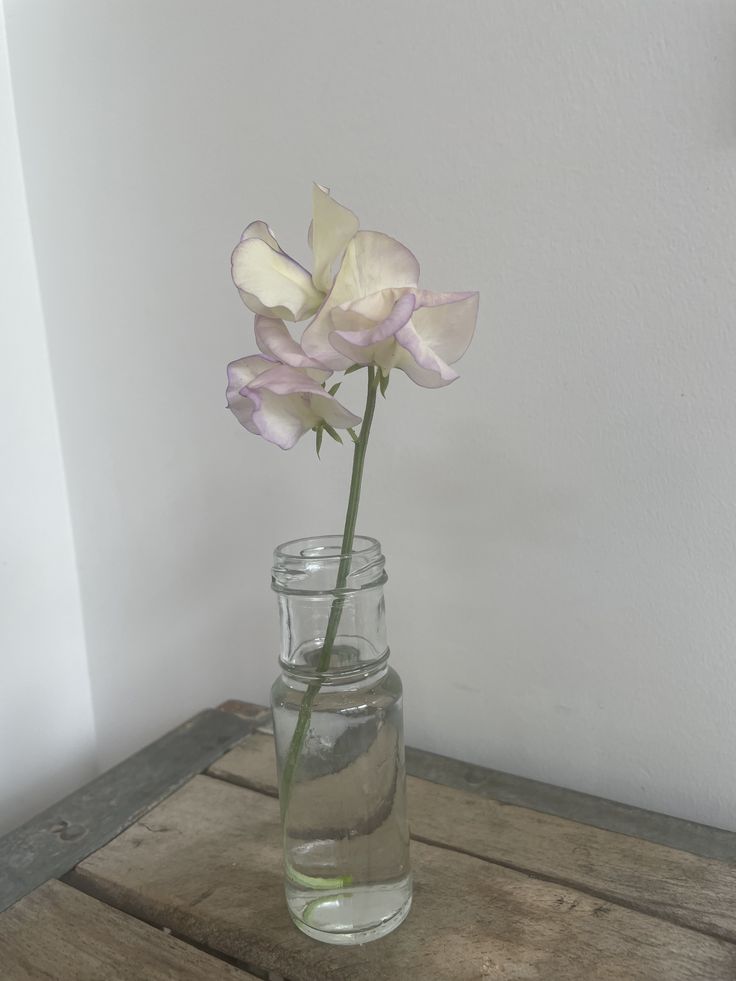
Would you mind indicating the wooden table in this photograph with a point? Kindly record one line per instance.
(169, 867)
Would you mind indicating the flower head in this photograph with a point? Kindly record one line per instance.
(372, 312)
(376, 314)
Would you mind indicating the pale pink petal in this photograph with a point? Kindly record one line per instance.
(274, 339)
(369, 310)
(279, 419)
(282, 403)
(242, 408)
(281, 379)
(239, 373)
(372, 333)
(244, 370)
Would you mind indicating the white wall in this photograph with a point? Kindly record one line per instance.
(559, 523)
(47, 741)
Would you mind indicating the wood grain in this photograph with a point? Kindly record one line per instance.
(59, 934)
(207, 864)
(535, 795)
(686, 889)
(54, 841)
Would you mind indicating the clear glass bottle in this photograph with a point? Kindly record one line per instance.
(339, 744)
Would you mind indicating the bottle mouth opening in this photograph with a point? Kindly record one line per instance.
(313, 566)
(325, 548)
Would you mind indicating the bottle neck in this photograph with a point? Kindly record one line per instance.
(344, 669)
(317, 613)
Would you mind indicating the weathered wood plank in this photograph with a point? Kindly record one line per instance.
(207, 864)
(50, 844)
(60, 933)
(695, 892)
(246, 710)
(609, 815)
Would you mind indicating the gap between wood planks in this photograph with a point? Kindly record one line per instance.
(87, 889)
(607, 898)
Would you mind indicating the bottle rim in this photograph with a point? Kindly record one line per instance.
(310, 566)
(324, 548)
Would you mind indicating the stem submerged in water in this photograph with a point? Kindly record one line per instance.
(348, 535)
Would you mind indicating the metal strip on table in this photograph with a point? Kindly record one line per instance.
(53, 842)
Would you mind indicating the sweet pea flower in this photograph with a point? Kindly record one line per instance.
(274, 285)
(376, 314)
(282, 399)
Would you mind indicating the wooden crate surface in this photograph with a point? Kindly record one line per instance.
(193, 889)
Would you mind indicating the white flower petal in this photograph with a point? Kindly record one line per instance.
(420, 362)
(332, 228)
(272, 283)
(373, 262)
(383, 354)
(375, 307)
(259, 229)
(280, 419)
(333, 412)
(446, 322)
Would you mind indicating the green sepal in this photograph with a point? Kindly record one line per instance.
(353, 435)
(333, 432)
(353, 367)
(383, 383)
(334, 388)
(320, 433)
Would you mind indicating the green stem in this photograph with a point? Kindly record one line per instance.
(348, 535)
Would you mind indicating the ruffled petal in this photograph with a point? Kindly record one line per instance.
(446, 322)
(244, 370)
(282, 420)
(420, 362)
(274, 339)
(371, 343)
(282, 379)
(368, 331)
(332, 228)
(373, 262)
(282, 403)
(262, 231)
(269, 281)
(239, 373)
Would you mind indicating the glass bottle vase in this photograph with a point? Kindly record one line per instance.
(338, 726)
